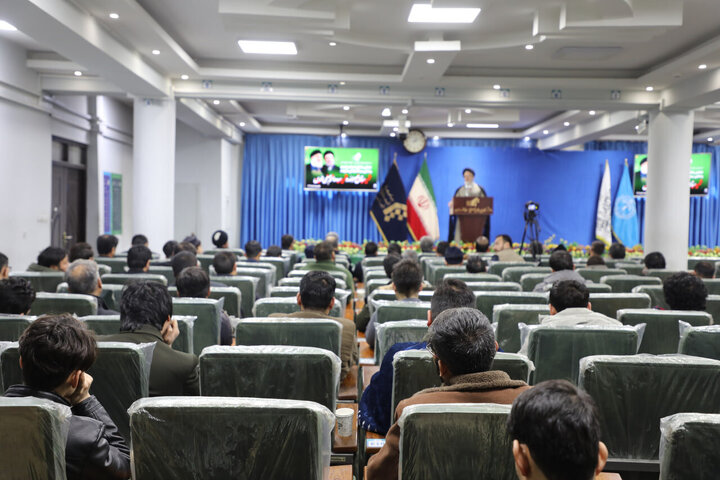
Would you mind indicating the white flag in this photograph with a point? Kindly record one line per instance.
(603, 223)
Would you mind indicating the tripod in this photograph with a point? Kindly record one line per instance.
(531, 231)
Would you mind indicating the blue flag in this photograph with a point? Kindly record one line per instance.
(389, 210)
(625, 222)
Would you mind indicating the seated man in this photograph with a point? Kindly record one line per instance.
(310, 252)
(482, 244)
(407, 281)
(394, 249)
(426, 244)
(195, 242)
(441, 247)
(220, 239)
(617, 251)
(654, 261)
(685, 291)
(555, 430)
(16, 296)
(316, 298)
(138, 259)
(106, 245)
(286, 241)
(597, 249)
(4, 266)
(463, 345)
(595, 262)
(253, 249)
(55, 353)
(273, 251)
(169, 249)
(325, 261)
(371, 249)
(81, 251)
(224, 263)
(140, 239)
(703, 269)
(504, 251)
(52, 259)
(146, 316)
(363, 318)
(475, 264)
(82, 277)
(376, 400)
(563, 268)
(181, 261)
(453, 256)
(193, 282)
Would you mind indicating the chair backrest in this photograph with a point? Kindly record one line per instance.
(231, 295)
(116, 264)
(662, 274)
(513, 274)
(595, 274)
(632, 268)
(54, 303)
(496, 268)
(165, 271)
(436, 271)
(517, 366)
(662, 333)
(264, 277)
(10, 371)
(297, 373)
(110, 325)
(390, 333)
(399, 310)
(123, 278)
(205, 261)
(485, 301)
(625, 283)
(700, 341)
(712, 285)
(634, 392)
(692, 261)
(373, 274)
(206, 328)
(473, 277)
(284, 291)
(473, 436)
(494, 286)
(376, 261)
(609, 303)
(686, 438)
(243, 438)
(372, 285)
(110, 294)
(655, 292)
(264, 307)
(298, 332)
(33, 433)
(42, 281)
(556, 351)
(282, 265)
(598, 288)
(273, 276)
(247, 286)
(508, 316)
(712, 306)
(12, 326)
(529, 280)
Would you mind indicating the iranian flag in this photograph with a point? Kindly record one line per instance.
(422, 216)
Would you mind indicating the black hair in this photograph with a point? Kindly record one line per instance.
(441, 247)
(219, 238)
(595, 260)
(561, 260)
(181, 261)
(193, 282)
(185, 247)
(144, 303)
(323, 252)
(597, 247)
(569, 294)
(328, 151)
(169, 248)
(105, 244)
(51, 257)
(52, 347)
(617, 251)
(192, 238)
(273, 251)
(506, 238)
(371, 249)
(223, 262)
(654, 260)
(139, 239)
(451, 293)
(703, 269)
(467, 169)
(453, 256)
(252, 249)
(315, 152)
(138, 256)
(389, 263)
(3, 261)
(394, 248)
(81, 251)
(310, 251)
(482, 244)
(560, 248)
(559, 424)
(286, 241)
(407, 277)
(475, 264)
(16, 295)
(317, 289)
(536, 248)
(463, 339)
(685, 291)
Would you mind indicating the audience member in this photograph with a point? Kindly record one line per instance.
(195, 241)
(475, 264)
(82, 277)
(371, 250)
(286, 241)
(146, 316)
(220, 239)
(193, 282)
(334, 239)
(653, 261)
(16, 296)
(374, 410)
(316, 298)
(310, 252)
(138, 259)
(106, 245)
(482, 244)
(140, 239)
(595, 261)
(555, 430)
(273, 251)
(52, 259)
(81, 251)
(617, 251)
(703, 269)
(685, 291)
(4, 266)
(363, 318)
(560, 248)
(410, 255)
(463, 346)
(504, 251)
(224, 263)
(453, 256)
(597, 248)
(561, 264)
(170, 248)
(441, 247)
(325, 260)
(253, 249)
(426, 244)
(181, 261)
(55, 353)
(394, 249)
(186, 247)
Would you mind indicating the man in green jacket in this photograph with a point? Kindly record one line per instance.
(325, 261)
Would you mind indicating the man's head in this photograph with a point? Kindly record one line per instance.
(220, 239)
(449, 294)
(502, 242)
(139, 239)
(317, 291)
(310, 251)
(273, 251)
(453, 256)
(53, 258)
(82, 277)
(195, 241)
(655, 260)
(138, 258)
(426, 244)
(186, 247)
(82, 251)
(193, 282)
(441, 247)
(561, 260)
(685, 291)
(410, 255)
(462, 341)
(329, 157)
(324, 252)
(106, 245)
(597, 248)
(702, 269)
(286, 241)
(4, 266)
(468, 175)
(224, 263)
(568, 294)
(482, 244)
(144, 303)
(181, 261)
(371, 249)
(170, 248)
(617, 251)
(475, 264)
(253, 249)
(595, 260)
(16, 296)
(555, 431)
(54, 351)
(334, 239)
(316, 158)
(389, 263)
(394, 249)
(407, 278)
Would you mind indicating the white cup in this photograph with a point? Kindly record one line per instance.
(344, 418)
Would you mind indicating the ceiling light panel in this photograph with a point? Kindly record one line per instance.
(438, 46)
(425, 13)
(268, 48)
(482, 125)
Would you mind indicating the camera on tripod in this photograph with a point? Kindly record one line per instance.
(531, 209)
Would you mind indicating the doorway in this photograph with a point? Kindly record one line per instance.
(69, 172)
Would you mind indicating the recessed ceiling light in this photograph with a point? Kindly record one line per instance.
(436, 138)
(392, 134)
(342, 83)
(156, 52)
(242, 124)
(216, 102)
(269, 48)
(343, 134)
(7, 26)
(567, 124)
(702, 66)
(425, 13)
(333, 44)
(529, 46)
(545, 132)
(592, 112)
(77, 73)
(114, 16)
(404, 111)
(527, 139)
(710, 139)
(450, 124)
(467, 110)
(395, 129)
(649, 88)
(430, 61)
(496, 86)
(482, 125)
(184, 77)
(386, 112)
(346, 107)
(345, 122)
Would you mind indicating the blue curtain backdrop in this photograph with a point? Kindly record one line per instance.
(565, 184)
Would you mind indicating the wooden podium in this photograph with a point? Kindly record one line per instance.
(472, 213)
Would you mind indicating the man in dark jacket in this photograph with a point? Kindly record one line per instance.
(82, 277)
(55, 353)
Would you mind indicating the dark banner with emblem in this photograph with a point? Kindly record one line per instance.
(389, 210)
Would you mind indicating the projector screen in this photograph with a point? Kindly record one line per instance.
(699, 174)
(336, 168)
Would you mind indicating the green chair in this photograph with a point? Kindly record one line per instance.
(426, 261)
(712, 285)
(529, 280)
(337, 275)
(692, 261)
(282, 265)
(390, 333)
(264, 280)
(437, 271)
(206, 261)
(625, 283)
(166, 272)
(556, 351)
(42, 281)
(373, 274)
(223, 438)
(485, 301)
(116, 264)
(496, 268)
(517, 366)
(389, 296)
(514, 274)
(700, 341)
(55, 303)
(123, 278)
(662, 333)
(631, 268)
(712, 306)
(473, 277)
(12, 326)
(296, 373)
(655, 292)
(206, 328)
(110, 325)
(494, 286)
(246, 285)
(689, 443)
(264, 307)
(662, 274)
(33, 434)
(609, 303)
(299, 332)
(398, 310)
(372, 285)
(231, 295)
(508, 317)
(111, 294)
(431, 435)
(598, 288)
(273, 277)
(341, 296)
(595, 274)
(239, 252)
(10, 372)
